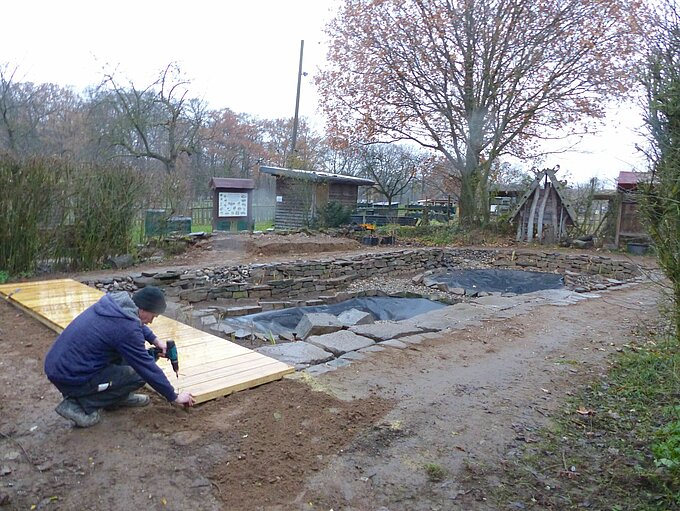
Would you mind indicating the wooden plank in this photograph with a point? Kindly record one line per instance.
(226, 375)
(197, 362)
(237, 365)
(45, 321)
(226, 379)
(202, 353)
(56, 292)
(54, 304)
(208, 392)
(257, 374)
(210, 366)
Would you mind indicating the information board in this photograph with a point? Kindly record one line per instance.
(232, 204)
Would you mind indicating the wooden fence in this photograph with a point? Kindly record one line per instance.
(202, 212)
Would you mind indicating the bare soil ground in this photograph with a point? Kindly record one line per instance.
(227, 249)
(366, 437)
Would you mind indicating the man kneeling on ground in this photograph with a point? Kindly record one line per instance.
(101, 358)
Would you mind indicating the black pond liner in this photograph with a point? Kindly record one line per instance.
(381, 307)
(499, 281)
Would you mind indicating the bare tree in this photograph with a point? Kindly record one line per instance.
(233, 143)
(392, 167)
(309, 148)
(474, 79)
(37, 119)
(158, 122)
(339, 159)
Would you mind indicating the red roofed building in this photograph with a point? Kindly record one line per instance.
(628, 180)
(629, 226)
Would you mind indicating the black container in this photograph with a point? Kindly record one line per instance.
(371, 241)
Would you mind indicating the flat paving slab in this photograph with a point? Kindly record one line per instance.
(317, 323)
(375, 348)
(394, 343)
(497, 301)
(353, 355)
(388, 330)
(298, 353)
(453, 317)
(340, 342)
(353, 317)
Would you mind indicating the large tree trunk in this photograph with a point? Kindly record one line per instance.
(471, 202)
(467, 202)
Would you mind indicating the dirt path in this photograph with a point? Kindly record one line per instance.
(464, 401)
(459, 403)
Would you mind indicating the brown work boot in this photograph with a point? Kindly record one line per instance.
(70, 409)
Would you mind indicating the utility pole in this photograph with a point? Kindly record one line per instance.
(297, 102)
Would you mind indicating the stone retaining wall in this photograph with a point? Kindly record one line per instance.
(294, 280)
(562, 263)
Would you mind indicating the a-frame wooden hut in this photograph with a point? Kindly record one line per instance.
(543, 213)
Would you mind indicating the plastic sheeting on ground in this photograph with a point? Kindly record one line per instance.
(495, 281)
(381, 307)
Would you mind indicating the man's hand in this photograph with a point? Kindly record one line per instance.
(162, 345)
(184, 399)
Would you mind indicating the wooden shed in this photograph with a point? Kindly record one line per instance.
(300, 194)
(629, 219)
(543, 213)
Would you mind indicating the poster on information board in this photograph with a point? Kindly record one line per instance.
(232, 204)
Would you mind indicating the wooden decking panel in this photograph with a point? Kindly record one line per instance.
(209, 366)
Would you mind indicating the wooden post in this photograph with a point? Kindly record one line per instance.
(541, 212)
(297, 104)
(532, 212)
(618, 222)
(553, 211)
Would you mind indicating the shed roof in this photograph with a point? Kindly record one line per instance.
(230, 182)
(315, 175)
(629, 180)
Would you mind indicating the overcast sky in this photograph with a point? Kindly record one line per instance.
(239, 54)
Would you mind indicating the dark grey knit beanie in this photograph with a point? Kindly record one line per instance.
(150, 299)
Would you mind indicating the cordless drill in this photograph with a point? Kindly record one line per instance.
(170, 354)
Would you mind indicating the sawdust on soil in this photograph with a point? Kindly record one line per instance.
(359, 438)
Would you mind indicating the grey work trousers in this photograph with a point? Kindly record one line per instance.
(108, 387)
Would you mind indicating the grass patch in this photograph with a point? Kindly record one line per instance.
(616, 446)
(263, 226)
(201, 228)
(435, 472)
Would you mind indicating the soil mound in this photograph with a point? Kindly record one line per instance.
(275, 244)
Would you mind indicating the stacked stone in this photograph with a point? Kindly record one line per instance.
(304, 279)
(576, 263)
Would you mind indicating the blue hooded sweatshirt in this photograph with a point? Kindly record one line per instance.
(104, 332)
